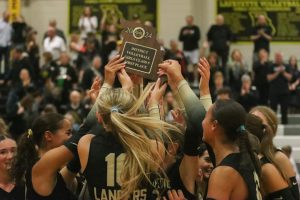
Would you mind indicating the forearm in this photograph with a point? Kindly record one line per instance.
(268, 37)
(194, 108)
(271, 77)
(288, 76)
(254, 37)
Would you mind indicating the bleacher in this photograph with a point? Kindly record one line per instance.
(290, 135)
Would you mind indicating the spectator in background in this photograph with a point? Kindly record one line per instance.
(86, 57)
(33, 51)
(248, 97)
(261, 36)
(5, 42)
(190, 36)
(66, 77)
(53, 43)
(212, 59)
(19, 61)
(76, 108)
(19, 104)
(177, 54)
(19, 32)
(59, 32)
(279, 75)
(260, 72)
(219, 37)
(235, 70)
(294, 84)
(218, 83)
(110, 36)
(49, 70)
(224, 93)
(75, 47)
(91, 73)
(87, 23)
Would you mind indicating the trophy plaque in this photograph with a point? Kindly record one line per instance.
(141, 50)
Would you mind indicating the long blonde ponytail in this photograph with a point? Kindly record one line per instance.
(136, 132)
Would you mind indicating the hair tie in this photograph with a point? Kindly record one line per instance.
(241, 129)
(114, 109)
(29, 133)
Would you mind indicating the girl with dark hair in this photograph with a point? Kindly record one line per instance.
(48, 132)
(272, 154)
(184, 171)
(237, 170)
(8, 189)
(274, 180)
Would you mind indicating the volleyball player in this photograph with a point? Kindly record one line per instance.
(48, 132)
(274, 182)
(235, 176)
(283, 164)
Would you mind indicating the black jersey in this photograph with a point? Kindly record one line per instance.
(18, 193)
(104, 166)
(60, 190)
(248, 174)
(286, 193)
(176, 182)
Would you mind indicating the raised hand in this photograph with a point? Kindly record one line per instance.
(172, 69)
(95, 89)
(111, 69)
(178, 117)
(125, 80)
(204, 71)
(157, 92)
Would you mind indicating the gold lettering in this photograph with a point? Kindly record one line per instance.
(103, 194)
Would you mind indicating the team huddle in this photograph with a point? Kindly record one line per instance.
(126, 150)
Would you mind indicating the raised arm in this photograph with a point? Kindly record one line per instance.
(195, 111)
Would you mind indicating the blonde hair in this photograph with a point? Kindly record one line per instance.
(120, 112)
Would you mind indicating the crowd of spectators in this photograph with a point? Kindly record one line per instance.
(56, 75)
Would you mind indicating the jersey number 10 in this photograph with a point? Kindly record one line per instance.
(114, 168)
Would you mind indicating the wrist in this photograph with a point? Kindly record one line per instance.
(108, 83)
(175, 83)
(204, 92)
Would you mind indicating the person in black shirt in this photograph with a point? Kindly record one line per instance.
(237, 170)
(294, 84)
(274, 179)
(279, 76)
(260, 70)
(48, 132)
(65, 76)
(190, 36)
(248, 97)
(91, 73)
(261, 36)
(219, 37)
(19, 31)
(270, 120)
